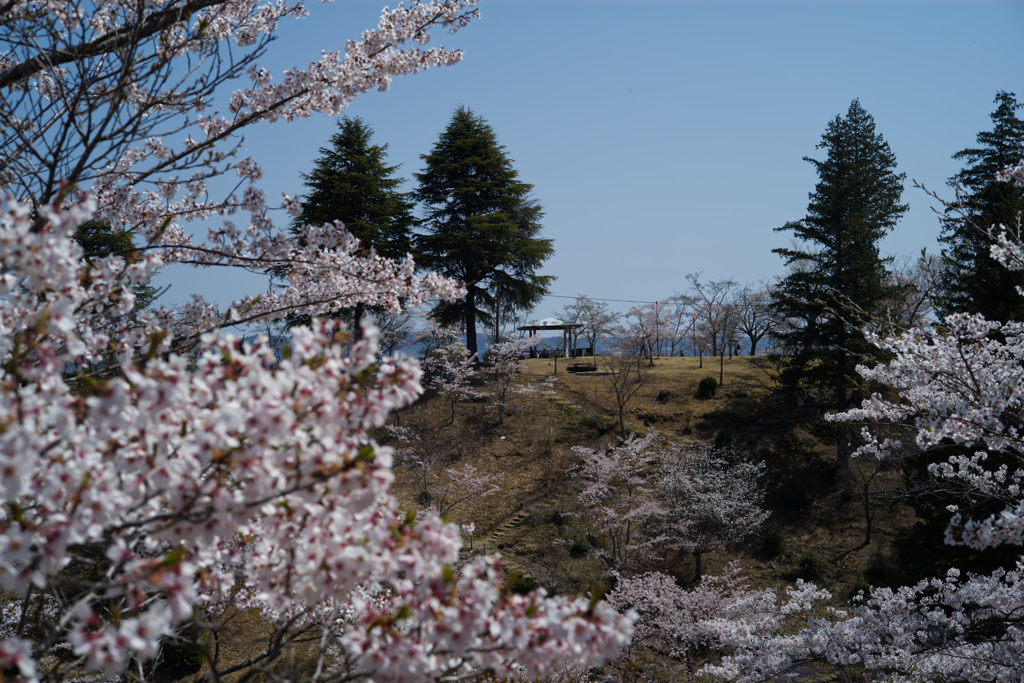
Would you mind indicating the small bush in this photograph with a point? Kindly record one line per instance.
(557, 519)
(650, 417)
(773, 541)
(580, 548)
(861, 585)
(523, 585)
(664, 396)
(811, 567)
(688, 429)
(707, 388)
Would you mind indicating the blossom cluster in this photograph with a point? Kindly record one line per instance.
(182, 470)
(677, 623)
(939, 629)
(955, 383)
(246, 480)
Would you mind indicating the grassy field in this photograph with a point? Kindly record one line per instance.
(816, 527)
(817, 524)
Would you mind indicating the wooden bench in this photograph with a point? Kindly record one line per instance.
(580, 366)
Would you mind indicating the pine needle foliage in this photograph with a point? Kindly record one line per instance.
(479, 225)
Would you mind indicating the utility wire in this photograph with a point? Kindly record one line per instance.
(621, 301)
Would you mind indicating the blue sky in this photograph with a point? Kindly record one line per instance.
(666, 137)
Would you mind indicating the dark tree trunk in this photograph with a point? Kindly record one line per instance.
(867, 512)
(842, 434)
(471, 323)
(357, 319)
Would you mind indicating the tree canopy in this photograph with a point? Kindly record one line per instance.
(480, 225)
(353, 183)
(972, 282)
(836, 272)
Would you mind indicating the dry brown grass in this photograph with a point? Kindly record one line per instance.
(812, 503)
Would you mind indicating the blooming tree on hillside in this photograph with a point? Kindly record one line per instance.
(173, 494)
(626, 375)
(650, 326)
(676, 622)
(441, 483)
(505, 360)
(594, 317)
(619, 500)
(450, 369)
(712, 304)
(715, 495)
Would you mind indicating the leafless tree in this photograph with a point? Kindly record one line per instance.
(593, 315)
(914, 283)
(712, 301)
(754, 315)
(395, 330)
(626, 374)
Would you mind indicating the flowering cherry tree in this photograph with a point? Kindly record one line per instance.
(450, 369)
(711, 302)
(171, 494)
(595, 317)
(715, 495)
(505, 360)
(619, 500)
(429, 455)
(676, 622)
(650, 325)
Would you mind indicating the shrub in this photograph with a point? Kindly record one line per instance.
(688, 429)
(178, 660)
(664, 395)
(773, 541)
(707, 388)
(523, 585)
(580, 548)
(811, 567)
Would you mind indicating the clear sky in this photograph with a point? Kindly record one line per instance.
(666, 137)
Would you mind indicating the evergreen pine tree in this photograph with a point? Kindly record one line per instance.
(836, 271)
(480, 225)
(352, 182)
(972, 281)
(98, 239)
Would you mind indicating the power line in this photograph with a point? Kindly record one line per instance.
(621, 301)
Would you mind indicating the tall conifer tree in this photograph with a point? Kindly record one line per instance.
(835, 267)
(480, 225)
(353, 183)
(972, 281)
